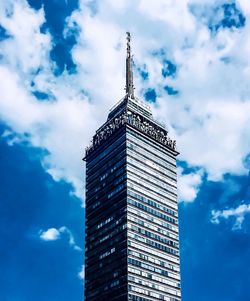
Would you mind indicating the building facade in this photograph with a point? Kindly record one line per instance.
(132, 240)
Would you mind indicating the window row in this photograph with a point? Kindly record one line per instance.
(156, 261)
(151, 227)
(156, 253)
(151, 187)
(153, 211)
(92, 252)
(116, 208)
(155, 286)
(153, 244)
(111, 170)
(107, 221)
(153, 277)
(108, 227)
(101, 224)
(153, 219)
(139, 167)
(106, 152)
(106, 166)
(150, 178)
(116, 190)
(137, 298)
(143, 166)
(149, 293)
(93, 244)
(152, 195)
(153, 203)
(151, 154)
(152, 235)
(107, 253)
(133, 137)
(151, 162)
(150, 165)
(114, 180)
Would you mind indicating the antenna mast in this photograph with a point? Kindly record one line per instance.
(129, 70)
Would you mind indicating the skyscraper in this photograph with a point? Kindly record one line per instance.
(132, 241)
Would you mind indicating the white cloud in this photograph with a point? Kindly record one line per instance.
(11, 137)
(209, 117)
(72, 242)
(188, 185)
(244, 4)
(61, 127)
(171, 14)
(81, 274)
(50, 234)
(28, 48)
(54, 234)
(237, 213)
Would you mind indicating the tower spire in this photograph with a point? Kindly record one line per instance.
(129, 70)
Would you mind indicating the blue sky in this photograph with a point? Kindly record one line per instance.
(62, 68)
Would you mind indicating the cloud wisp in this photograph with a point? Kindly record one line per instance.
(53, 234)
(238, 215)
(81, 274)
(188, 185)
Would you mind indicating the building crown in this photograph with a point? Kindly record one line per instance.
(130, 111)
